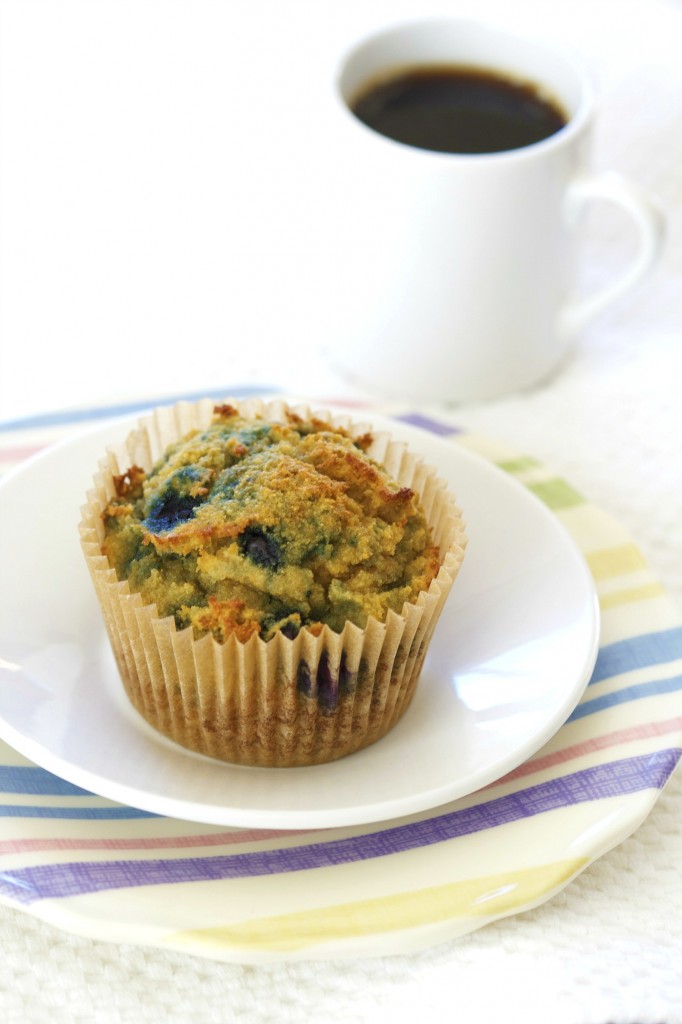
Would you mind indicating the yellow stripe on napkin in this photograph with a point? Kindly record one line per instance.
(492, 896)
(616, 561)
(631, 595)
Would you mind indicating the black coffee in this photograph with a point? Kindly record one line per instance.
(454, 109)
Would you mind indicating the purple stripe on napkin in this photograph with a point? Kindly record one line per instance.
(417, 419)
(630, 775)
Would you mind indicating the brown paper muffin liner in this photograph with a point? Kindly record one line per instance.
(283, 702)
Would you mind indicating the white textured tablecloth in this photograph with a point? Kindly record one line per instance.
(608, 948)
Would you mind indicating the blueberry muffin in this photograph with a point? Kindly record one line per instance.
(269, 585)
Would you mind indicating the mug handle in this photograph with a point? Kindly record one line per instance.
(648, 220)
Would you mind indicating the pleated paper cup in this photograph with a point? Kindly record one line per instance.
(284, 702)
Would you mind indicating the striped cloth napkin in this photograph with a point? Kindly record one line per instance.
(250, 895)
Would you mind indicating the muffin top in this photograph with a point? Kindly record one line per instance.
(255, 526)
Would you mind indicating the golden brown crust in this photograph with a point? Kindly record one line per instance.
(225, 411)
(129, 484)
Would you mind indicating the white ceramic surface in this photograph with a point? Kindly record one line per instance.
(459, 270)
(513, 652)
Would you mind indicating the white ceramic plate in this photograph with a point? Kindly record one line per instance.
(512, 654)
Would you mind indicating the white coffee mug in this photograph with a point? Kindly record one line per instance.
(460, 268)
